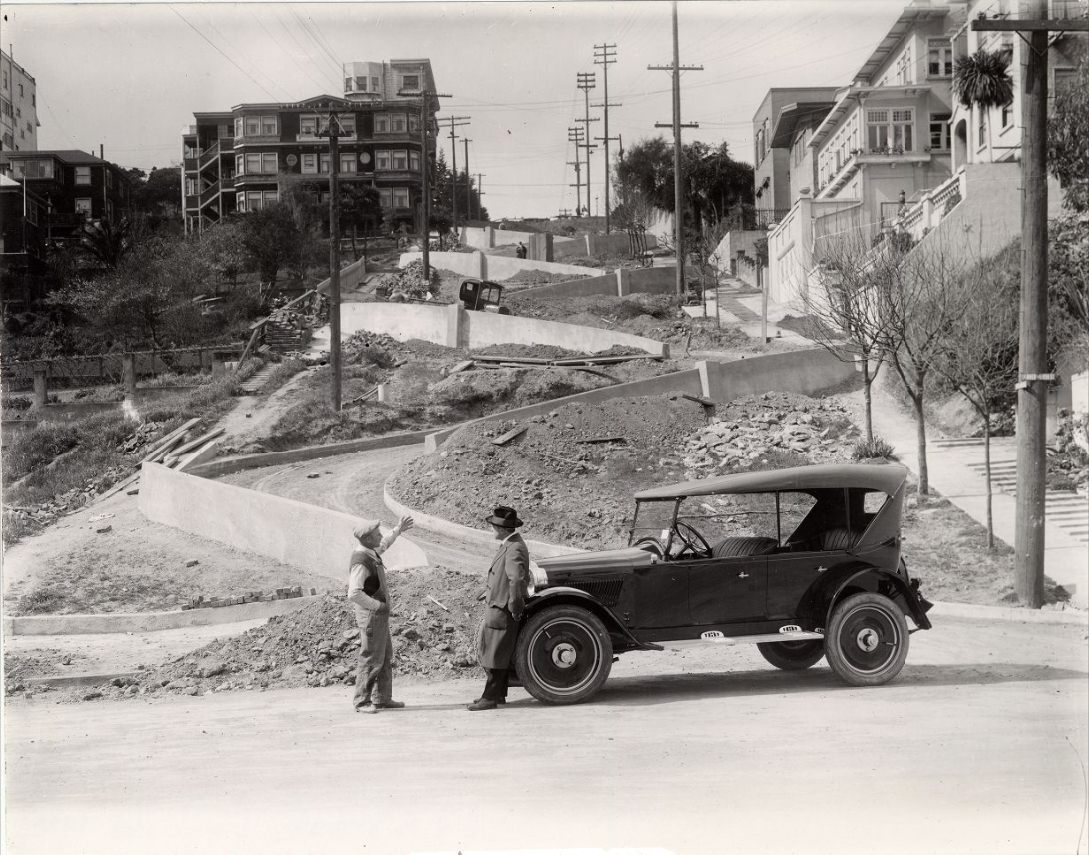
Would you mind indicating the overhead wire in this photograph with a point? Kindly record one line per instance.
(223, 54)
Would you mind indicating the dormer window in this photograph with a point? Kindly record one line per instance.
(410, 82)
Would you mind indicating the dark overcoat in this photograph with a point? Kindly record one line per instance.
(508, 583)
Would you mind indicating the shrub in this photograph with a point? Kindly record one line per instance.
(37, 447)
(877, 447)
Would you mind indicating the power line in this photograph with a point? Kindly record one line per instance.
(224, 55)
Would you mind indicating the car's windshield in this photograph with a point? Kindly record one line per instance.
(653, 520)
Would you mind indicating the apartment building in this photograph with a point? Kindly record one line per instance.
(18, 107)
(897, 152)
(242, 159)
(783, 126)
(76, 187)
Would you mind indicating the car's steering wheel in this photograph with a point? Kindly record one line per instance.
(692, 541)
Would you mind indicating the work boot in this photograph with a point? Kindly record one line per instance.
(501, 701)
(366, 708)
(389, 705)
(481, 704)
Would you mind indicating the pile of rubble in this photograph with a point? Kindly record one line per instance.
(408, 283)
(750, 429)
(572, 471)
(433, 624)
(1068, 462)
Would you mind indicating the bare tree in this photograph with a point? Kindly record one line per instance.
(844, 307)
(979, 353)
(919, 304)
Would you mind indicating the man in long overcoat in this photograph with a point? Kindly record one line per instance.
(369, 596)
(508, 582)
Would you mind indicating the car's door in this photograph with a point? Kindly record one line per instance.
(660, 595)
(726, 590)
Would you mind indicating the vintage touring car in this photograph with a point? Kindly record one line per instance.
(803, 562)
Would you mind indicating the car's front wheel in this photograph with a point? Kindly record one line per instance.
(792, 655)
(867, 640)
(564, 655)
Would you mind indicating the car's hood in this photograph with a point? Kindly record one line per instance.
(609, 560)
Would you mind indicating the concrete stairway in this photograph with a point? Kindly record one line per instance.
(254, 383)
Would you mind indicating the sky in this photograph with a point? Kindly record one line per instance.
(128, 77)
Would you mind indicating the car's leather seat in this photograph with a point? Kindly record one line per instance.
(739, 547)
(833, 539)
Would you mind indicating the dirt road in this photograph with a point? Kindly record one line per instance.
(977, 748)
(353, 483)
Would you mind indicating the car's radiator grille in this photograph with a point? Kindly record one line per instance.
(605, 590)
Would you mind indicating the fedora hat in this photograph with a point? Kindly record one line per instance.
(504, 517)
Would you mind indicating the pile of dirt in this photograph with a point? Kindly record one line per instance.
(779, 427)
(549, 351)
(528, 278)
(1068, 460)
(571, 474)
(433, 624)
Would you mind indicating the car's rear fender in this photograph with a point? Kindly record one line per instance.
(822, 598)
(562, 596)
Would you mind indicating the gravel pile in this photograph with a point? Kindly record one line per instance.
(774, 424)
(408, 282)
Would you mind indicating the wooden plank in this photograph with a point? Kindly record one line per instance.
(699, 399)
(528, 360)
(461, 366)
(205, 452)
(200, 440)
(246, 352)
(120, 485)
(509, 435)
(603, 439)
(174, 434)
(160, 455)
(604, 360)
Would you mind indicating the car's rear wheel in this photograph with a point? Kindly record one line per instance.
(564, 655)
(792, 655)
(867, 640)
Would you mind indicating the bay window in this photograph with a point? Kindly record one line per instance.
(400, 197)
(890, 131)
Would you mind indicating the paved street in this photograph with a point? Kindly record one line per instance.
(976, 748)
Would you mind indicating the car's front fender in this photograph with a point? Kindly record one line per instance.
(562, 595)
(883, 582)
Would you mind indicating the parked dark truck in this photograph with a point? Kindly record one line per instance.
(483, 296)
(803, 562)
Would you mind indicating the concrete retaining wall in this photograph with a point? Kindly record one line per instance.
(228, 465)
(615, 245)
(150, 621)
(807, 372)
(350, 277)
(624, 281)
(676, 382)
(295, 533)
(452, 326)
(494, 267)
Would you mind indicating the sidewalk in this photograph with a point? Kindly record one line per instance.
(955, 469)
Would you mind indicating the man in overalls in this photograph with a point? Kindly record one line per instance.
(369, 595)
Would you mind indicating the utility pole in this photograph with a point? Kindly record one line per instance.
(586, 83)
(678, 179)
(1033, 378)
(455, 122)
(575, 136)
(479, 196)
(468, 183)
(605, 55)
(425, 173)
(333, 131)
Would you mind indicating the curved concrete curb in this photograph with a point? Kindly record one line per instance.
(241, 462)
(463, 532)
(149, 621)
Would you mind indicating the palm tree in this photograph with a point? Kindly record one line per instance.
(983, 79)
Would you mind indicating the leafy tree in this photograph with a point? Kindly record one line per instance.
(272, 240)
(224, 247)
(1067, 132)
(158, 196)
(714, 182)
(983, 79)
(107, 242)
(360, 207)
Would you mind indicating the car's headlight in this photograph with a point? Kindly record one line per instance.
(537, 578)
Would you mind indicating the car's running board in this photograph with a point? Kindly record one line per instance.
(768, 638)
